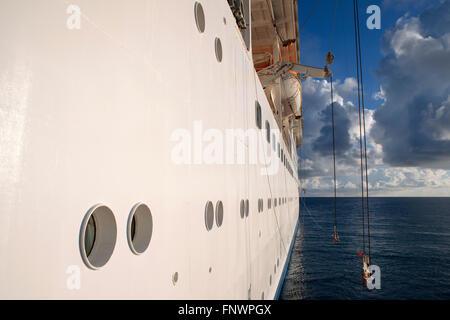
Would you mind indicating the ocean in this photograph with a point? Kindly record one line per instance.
(410, 242)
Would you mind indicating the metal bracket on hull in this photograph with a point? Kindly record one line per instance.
(308, 71)
(273, 72)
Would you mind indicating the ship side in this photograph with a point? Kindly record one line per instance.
(116, 175)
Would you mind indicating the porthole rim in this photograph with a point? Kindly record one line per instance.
(216, 213)
(196, 4)
(218, 41)
(205, 215)
(129, 223)
(82, 234)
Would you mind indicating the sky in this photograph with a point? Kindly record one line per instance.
(406, 68)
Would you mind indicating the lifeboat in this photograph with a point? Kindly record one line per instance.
(291, 95)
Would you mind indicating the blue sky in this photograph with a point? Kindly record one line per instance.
(315, 36)
(407, 89)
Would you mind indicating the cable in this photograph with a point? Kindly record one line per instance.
(360, 130)
(364, 130)
(332, 25)
(334, 160)
(270, 190)
(330, 58)
(309, 16)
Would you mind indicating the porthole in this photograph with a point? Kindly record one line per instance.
(275, 202)
(139, 228)
(262, 296)
(262, 205)
(218, 47)
(258, 115)
(98, 235)
(270, 280)
(242, 209)
(269, 203)
(89, 236)
(247, 209)
(274, 143)
(175, 278)
(278, 150)
(219, 213)
(199, 17)
(267, 131)
(209, 215)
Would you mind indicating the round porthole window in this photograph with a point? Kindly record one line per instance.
(258, 115)
(199, 17)
(139, 228)
(268, 131)
(175, 278)
(98, 235)
(209, 215)
(219, 213)
(218, 47)
(242, 209)
(247, 209)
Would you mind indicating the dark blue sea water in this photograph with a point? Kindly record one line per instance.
(410, 242)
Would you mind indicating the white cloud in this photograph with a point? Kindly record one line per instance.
(405, 131)
(413, 123)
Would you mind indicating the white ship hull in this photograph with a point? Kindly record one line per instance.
(87, 116)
